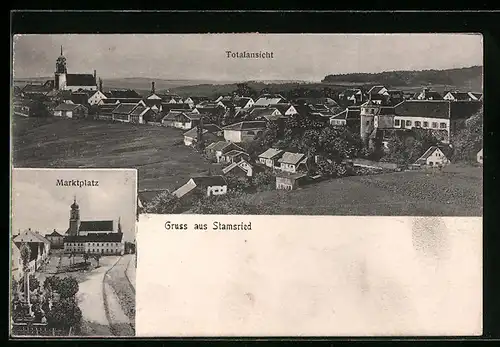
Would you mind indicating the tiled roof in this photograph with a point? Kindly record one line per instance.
(241, 102)
(268, 99)
(30, 236)
(36, 88)
(80, 80)
(95, 237)
(235, 152)
(124, 108)
(292, 158)
(236, 164)
(271, 153)
(423, 108)
(375, 89)
(139, 110)
(247, 125)
(67, 107)
(219, 145)
(460, 95)
(98, 225)
(207, 128)
(123, 94)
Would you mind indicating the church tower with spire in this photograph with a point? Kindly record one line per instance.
(119, 225)
(61, 72)
(74, 219)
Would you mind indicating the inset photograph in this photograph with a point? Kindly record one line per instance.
(73, 252)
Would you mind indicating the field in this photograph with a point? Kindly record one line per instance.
(457, 191)
(162, 160)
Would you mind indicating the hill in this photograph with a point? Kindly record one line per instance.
(469, 78)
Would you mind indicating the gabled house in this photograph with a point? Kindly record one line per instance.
(105, 111)
(96, 97)
(217, 149)
(56, 240)
(122, 112)
(142, 114)
(378, 90)
(70, 111)
(243, 103)
(38, 245)
(30, 108)
(433, 157)
(265, 114)
(479, 156)
(289, 181)
(154, 104)
(293, 162)
(350, 117)
(181, 120)
(211, 133)
(351, 96)
(108, 101)
(462, 96)
(240, 168)
(16, 262)
(204, 185)
(270, 157)
(234, 156)
(194, 101)
(395, 96)
(476, 96)
(122, 94)
(427, 94)
(270, 99)
(243, 131)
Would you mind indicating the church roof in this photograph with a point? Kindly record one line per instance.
(80, 80)
(96, 225)
(95, 237)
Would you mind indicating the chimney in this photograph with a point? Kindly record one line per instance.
(152, 87)
(100, 85)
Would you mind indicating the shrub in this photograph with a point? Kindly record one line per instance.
(34, 283)
(66, 287)
(64, 314)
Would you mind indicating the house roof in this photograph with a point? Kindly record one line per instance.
(67, 107)
(205, 181)
(95, 237)
(476, 95)
(36, 88)
(291, 158)
(431, 94)
(125, 108)
(30, 236)
(246, 125)
(241, 102)
(375, 89)
(123, 94)
(271, 153)
(283, 108)
(54, 233)
(268, 99)
(139, 110)
(80, 80)
(350, 92)
(235, 152)
(423, 108)
(460, 95)
(220, 145)
(234, 165)
(97, 225)
(207, 128)
(263, 111)
(79, 98)
(152, 102)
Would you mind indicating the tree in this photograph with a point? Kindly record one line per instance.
(263, 180)
(231, 203)
(468, 141)
(85, 257)
(34, 283)
(65, 314)
(97, 257)
(238, 183)
(66, 287)
(164, 203)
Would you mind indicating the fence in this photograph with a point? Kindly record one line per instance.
(38, 329)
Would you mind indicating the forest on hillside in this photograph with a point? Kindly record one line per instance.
(457, 77)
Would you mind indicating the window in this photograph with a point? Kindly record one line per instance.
(408, 123)
(426, 124)
(434, 124)
(418, 124)
(397, 122)
(442, 125)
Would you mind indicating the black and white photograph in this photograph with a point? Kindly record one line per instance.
(73, 252)
(349, 124)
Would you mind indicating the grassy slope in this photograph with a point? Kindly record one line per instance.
(157, 152)
(454, 192)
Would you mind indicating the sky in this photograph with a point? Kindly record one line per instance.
(308, 57)
(39, 204)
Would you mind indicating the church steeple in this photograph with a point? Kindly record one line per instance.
(61, 51)
(74, 218)
(60, 73)
(119, 225)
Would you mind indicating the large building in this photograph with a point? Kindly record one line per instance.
(103, 237)
(73, 82)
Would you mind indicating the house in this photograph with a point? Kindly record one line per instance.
(105, 111)
(38, 245)
(243, 131)
(432, 157)
(194, 101)
(122, 112)
(95, 98)
(165, 108)
(234, 156)
(427, 94)
(154, 104)
(108, 101)
(395, 96)
(181, 120)
(288, 181)
(458, 96)
(70, 111)
(351, 96)
(479, 156)
(211, 133)
(56, 240)
(378, 90)
(243, 103)
(265, 113)
(286, 109)
(270, 99)
(142, 114)
(204, 185)
(16, 265)
(122, 94)
(240, 168)
(270, 157)
(217, 149)
(30, 108)
(350, 117)
(36, 89)
(476, 96)
(293, 162)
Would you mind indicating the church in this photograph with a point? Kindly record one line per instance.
(72, 82)
(93, 237)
